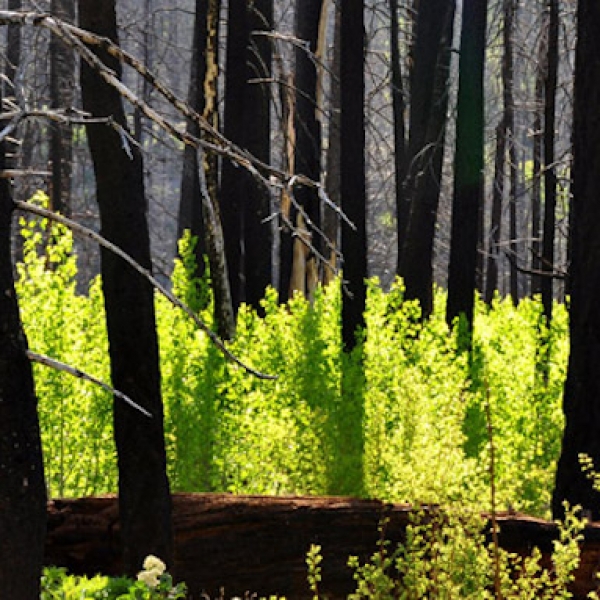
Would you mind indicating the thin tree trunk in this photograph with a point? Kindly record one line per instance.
(468, 164)
(22, 486)
(398, 108)
(190, 205)
(62, 94)
(145, 86)
(353, 178)
(536, 187)
(13, 58)
(509, 115)
(347, 466)
(307, 130)
(232, 196)
(331, 221)
(209, 180)
(549, 168)
(493, 261)
(144, 498)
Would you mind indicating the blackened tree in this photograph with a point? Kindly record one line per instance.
(468, 163)
(353, 186)
(307, 152)
(144, 498)
(428, 116)
(62, 92)
(582, 389)
(22, 486)
(549, 158)
(245, 204)
(190, 216)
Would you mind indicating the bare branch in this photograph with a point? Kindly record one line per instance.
(80, 40)
(60, 366)
(86, 232)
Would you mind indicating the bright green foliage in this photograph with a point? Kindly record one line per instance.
(446, 556)
(57, 584)
(410, 427)
(76, 417)
(524, 398)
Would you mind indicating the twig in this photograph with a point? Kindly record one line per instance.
(89, 233)
(60, 366)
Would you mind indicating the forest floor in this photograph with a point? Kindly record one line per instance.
(258, 544)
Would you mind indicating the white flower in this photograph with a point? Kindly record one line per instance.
(152, 563)
(153, 569)
(149, 577)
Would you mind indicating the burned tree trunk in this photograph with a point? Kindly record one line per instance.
(22, 486)
(144, 498)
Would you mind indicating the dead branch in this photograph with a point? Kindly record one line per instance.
(80, 40)
(60, 366)
(174, 300)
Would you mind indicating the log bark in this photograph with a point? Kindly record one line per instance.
(259, 544)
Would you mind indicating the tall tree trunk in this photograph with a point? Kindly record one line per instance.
(22, 485)
(353, 179)
(258, 231)
(13, 57)
(582, 389)
(468, 163)
(245, 204)
(231, 194)
(144, 498)
(190, 203)
(308, 135)
(536, 186)
(331, 221)
(209, 181)
(429, 107)
(398, 109)
(347, 465)
(493, 261)
(62, 93)
(549, 168)
(509, 115)
(146, 56)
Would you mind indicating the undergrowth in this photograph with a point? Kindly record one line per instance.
(445, 555)
(410, 426)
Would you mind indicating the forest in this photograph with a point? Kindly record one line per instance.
(317, 247)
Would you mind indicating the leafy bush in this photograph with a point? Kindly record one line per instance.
(153, 583)
(446, 555)
(402, 419)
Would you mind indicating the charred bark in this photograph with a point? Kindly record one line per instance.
(353, 179)
(582, 389)
(429, 105)
(307, 152)
(22, 486)
(190, 204)
(549, 159)
(62, 94)
(144, 499)
(245, 204)
(468, 164)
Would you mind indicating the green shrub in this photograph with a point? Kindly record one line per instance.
(153, 583)
(402, 419)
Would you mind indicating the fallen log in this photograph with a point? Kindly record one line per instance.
(258, 544)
